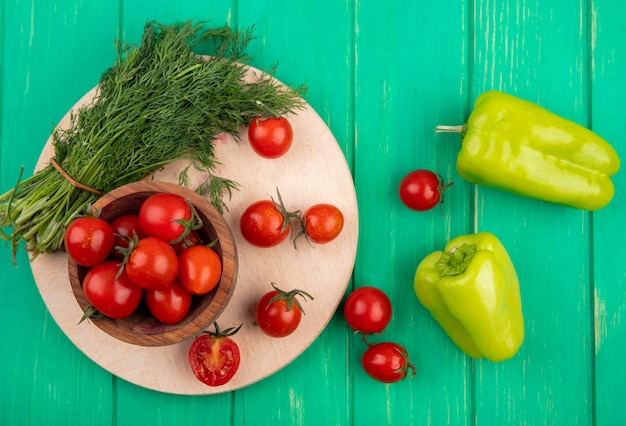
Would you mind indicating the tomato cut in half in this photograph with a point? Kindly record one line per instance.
(214, 357)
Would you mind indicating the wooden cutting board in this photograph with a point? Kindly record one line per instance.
(313, 171)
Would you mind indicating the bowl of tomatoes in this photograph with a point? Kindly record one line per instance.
(154, 265)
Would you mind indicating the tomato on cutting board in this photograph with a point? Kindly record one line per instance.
(279, 312)
(214, 357)
(266, 223)
(322, 223)
(270, 137)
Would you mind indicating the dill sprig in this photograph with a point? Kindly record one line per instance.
(159, 101)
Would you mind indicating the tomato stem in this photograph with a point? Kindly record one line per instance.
(222, 333)
(287, 215)
(90, 312)
(289, 297)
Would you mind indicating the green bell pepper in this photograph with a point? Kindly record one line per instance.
(517, 146)
(472, 291)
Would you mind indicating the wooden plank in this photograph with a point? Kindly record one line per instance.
(300, 47)
(44, 69)
(608, 65)
(416, 65)
(410, 76)
(170, 409)
(550, 378)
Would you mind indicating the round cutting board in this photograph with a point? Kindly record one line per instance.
(313, 171)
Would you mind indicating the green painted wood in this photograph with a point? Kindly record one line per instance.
(608, 60)
(382, 78)
(402, 93)
(515, 52)
(45, 68)
(298, 46)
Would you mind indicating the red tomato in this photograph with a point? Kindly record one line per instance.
(278, 313)
(199, 269)
(367, 310)
(193, 239)
(165, 216)
(270, 137)
(421, 190)
(152, 264)
(266, 223)
(124, 226)
(322, 223)
(169, 305)
(115, 298)
(214, 357)
(88, 240)
(387, 362)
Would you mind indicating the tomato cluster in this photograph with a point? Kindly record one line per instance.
(367, 310)
(267, 223)
(156, 255)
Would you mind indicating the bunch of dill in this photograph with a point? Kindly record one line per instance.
(158, 102)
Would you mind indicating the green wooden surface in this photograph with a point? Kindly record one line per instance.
(381, 77)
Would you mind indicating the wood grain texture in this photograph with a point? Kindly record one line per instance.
(381, 77)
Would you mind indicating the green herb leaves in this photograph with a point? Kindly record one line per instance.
(158, 102)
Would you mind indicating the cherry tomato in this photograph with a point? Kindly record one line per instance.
(124, 226)
(421, 190)
(266, 223)
(115, 298)
(387, 362)
(88, 240)
(152, 264)
(214, 357)
(192, 239)
(169, 305)
(322, 223)
(166, 216)
(367, 310)
(199, 269)
(278, 313)
(270, 137)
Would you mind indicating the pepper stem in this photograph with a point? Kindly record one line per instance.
(452, 129)
(456, 261)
